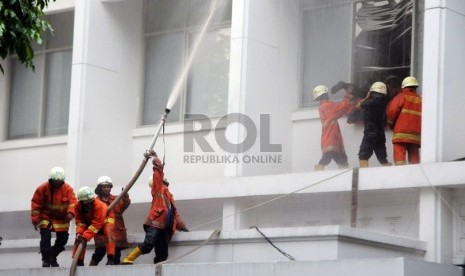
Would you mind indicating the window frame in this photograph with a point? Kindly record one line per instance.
(187, 32)
(44, 52)
(415, 66)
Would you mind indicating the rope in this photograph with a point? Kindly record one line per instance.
(269, 201)
(272, 244)
(213, 235)
(164, 144)
(440, 195)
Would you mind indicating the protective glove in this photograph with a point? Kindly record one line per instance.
(184, 229)
(81, 239)
(36, 225)
(126, 195)
(150, 153)
(69, 217)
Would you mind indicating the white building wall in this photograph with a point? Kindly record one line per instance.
(104, 137)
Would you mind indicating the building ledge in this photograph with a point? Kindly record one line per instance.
(278, 234)
(446, 174)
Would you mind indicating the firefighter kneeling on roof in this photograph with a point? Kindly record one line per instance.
(162, 220)
(91, 220)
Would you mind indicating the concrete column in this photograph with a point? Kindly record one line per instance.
(231, 215)
(436, 224)
(262, 81)
(431, 87)
(442, 85)
(103, 89)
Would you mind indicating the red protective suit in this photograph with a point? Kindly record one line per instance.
(50, 206)
(404, 116)
(331, 138)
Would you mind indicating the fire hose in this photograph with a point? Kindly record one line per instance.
(126, 189)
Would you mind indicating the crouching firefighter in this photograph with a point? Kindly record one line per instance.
(91, 218)
(162, 220)
(115, 238)
(52, 209)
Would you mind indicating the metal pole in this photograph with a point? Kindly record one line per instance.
(353, 213)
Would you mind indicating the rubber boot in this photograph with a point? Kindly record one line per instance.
(45, 257)
(45, 264)
(53, 258)
(111, 259)
(363, 163)
(93, 263)
(131, 257)
(319, 167)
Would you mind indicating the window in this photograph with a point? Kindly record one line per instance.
(355, 41)
(39, 100)
(171, 27)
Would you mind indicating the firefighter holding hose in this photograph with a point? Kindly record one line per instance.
(91, 217)
(162, 220)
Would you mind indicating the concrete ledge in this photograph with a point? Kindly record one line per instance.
(247, 245)
(348, 267)
(329, 232)
(446, 174)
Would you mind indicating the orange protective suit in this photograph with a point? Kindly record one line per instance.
(50, 206)
(404, 116)
(89, 223)
(119, 235)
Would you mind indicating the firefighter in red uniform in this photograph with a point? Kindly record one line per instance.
(162, 220)
(117, 241)
(91, 216)
(52, 208)
(332, 144)
(404, 116)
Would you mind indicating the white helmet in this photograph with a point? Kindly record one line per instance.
(410, 82)
(319, 90)
(150, 181)
(104, 180)
(165, 181)
(379, 87)
(85, 193)
(57, 173)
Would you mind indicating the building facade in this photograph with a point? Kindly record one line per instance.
(103, 80)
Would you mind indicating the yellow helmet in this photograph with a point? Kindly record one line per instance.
(319, 90)
(410, 82)
(57, 173)
(85, 193)
(104, 180)
(379, 87)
